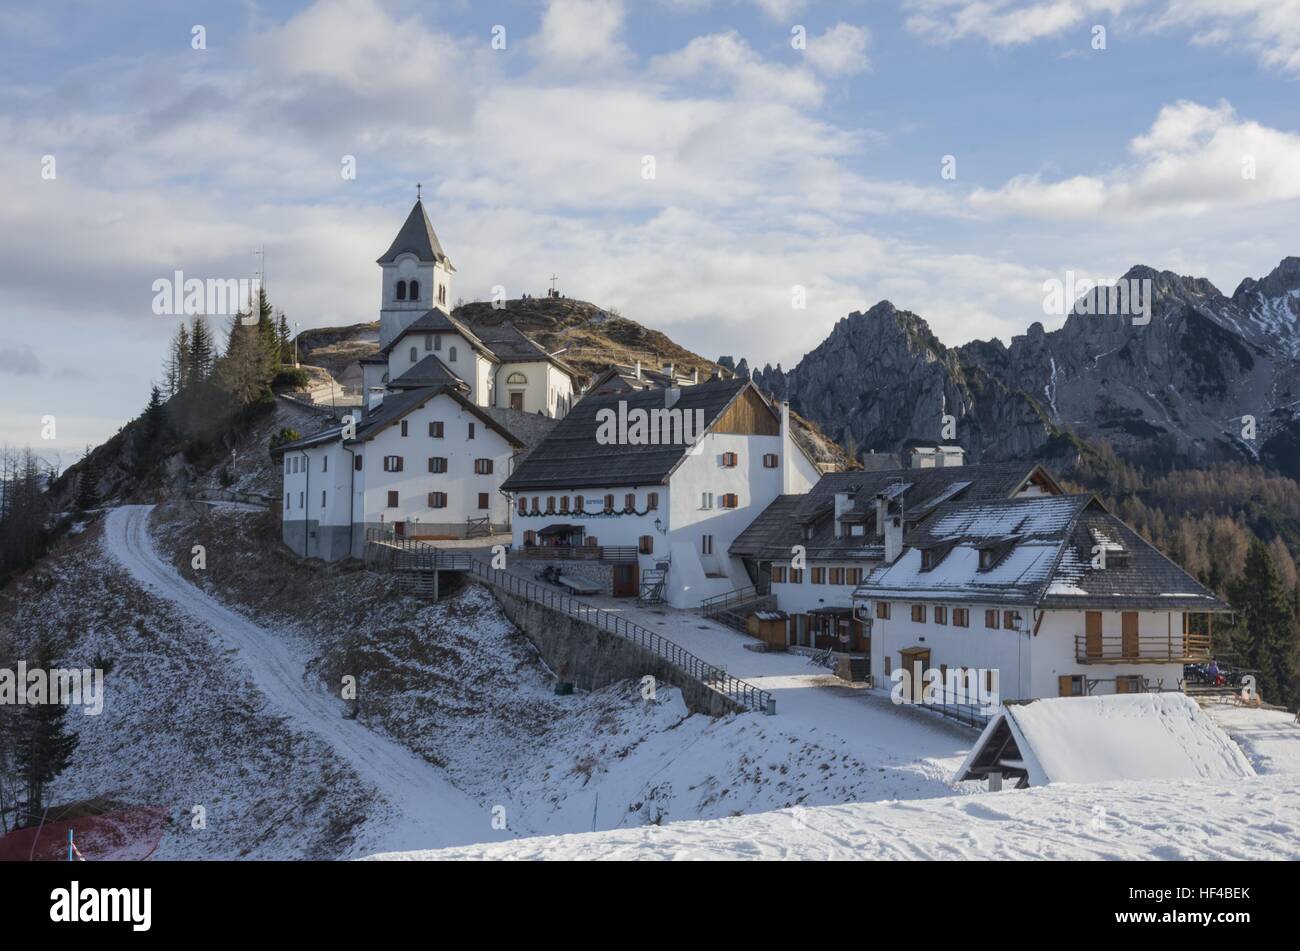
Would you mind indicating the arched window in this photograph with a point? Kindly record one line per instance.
(401, 290)
(451, 354)
(517, 379)
(414, 354)
(415, 290)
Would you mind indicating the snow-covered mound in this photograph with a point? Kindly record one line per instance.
(1107, 738)
(1168, 820)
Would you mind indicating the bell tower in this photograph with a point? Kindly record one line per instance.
(416, 275)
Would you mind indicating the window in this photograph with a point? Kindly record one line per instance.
(530, 538)
(435, 429)
(882, 610)
(483, 501)
(629, 502)
(437, 500)
(286, 501)
(300, 499)
(652, 501)
(392, 463)
(771, 460)
(437, 464)
(471, 430)
(564, 505)
(1071, 686)
(940, 614)
(405, 431)
(437, 341)
(451, 354)
(889, 666)
(322, 498)
(516, 379)
(579, 503)
(324, 463)
(401, 290)
(796, 576)
(442, 294)
(392, 500)
(929, 558)
(356, 463)
(706, 544)
(646, 544)
(287, 460)
(918, 613)
(609, 503)
(778, 574)
(1130, 684)
(523, 505)
(991, 619)
(819, 575)
(482, 466)
(550, 504)
(837, 576)
(961, 617)
(537, 505)
(415, 355)
(415, 290)
(1009, 619)
(853, 576)
(729, 460)
(428, 341)
(730, 500)
(706, 500)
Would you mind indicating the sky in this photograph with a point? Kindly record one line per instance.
(688, 162)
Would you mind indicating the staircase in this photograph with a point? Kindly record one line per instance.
(733, 608)
(653, 582)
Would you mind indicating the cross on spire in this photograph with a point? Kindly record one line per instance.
(417, 191)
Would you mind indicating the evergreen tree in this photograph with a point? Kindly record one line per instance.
(286, 341)
(44, 746)
(88, 483)
(176, 371)
(247, 368)
(266, 329)
(202, 352)
(1265, 636)
(154, 416)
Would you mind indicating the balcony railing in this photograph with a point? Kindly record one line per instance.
(1178, 648)
(619, 553)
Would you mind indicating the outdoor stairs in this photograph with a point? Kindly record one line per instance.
(653, 585)
(734, 607)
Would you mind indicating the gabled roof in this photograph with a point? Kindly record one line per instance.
(572, 458)
(511, 345)
(1041, 556)
(395, 407)
(619, 378)
(439, 322)
(416, 237)
(778, 528)
(430, 371)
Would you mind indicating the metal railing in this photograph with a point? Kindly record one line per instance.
(412, 554)
(730, 599)
(615, 553)
(743, 694)
(1177, 648)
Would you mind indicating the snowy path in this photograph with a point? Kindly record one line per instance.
(425, 807)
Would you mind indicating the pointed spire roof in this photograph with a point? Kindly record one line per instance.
(416, 237)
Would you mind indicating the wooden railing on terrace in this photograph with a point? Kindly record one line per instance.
(618, 553)
(1176, 648)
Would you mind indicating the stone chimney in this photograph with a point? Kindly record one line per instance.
(893, 532)
(695, 377)
(949, 456)
(787, 447)
(638, 369)
(843, 503)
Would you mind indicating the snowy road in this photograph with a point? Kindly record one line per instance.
(424, 809)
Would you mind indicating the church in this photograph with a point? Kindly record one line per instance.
(447, 414)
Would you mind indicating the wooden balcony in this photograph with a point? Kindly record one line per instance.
(614, 553)
(1191, 648)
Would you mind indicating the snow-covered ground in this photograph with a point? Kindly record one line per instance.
(1258, 819)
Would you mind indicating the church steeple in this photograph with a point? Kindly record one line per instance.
(417, 237)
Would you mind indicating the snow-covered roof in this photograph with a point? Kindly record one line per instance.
(1102, 739)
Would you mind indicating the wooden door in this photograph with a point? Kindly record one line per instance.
(916, 661)
(399, 529)
(516, 401)
(1129, 638)
(626, 579)
(1092, 632)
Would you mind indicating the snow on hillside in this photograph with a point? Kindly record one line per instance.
(1167, 820)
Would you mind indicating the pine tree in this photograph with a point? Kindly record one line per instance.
(246, 369)
(176, 371)
(266, 328)
(43, 747)
(154, 415)
(286, 341)
(88, 483)
(1265, 636)
(202, 352)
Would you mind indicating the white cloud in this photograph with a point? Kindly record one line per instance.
(18, 359)
(582, 33)
(1194, 160)
(726, 59)
(840, 51)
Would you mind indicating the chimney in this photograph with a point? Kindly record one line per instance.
(638, 369)
(950, 456)
(671, 396)
(923, 457)
(668, 372)
(843, 503)
(893, 532)
(375, 398)
(695, 377)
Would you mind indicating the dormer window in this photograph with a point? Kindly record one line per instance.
(929, 558)
(986, 559)
(415, 290)
(401, 290)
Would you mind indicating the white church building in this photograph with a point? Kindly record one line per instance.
(448, 411)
